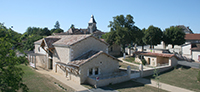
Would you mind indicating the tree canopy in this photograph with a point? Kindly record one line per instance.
(10, 74)
(152, 36)
(174, 36)
(57, 25)
(121, 31)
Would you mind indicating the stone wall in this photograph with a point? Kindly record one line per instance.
(86, 45)
(105, 64)
(150, 71)
(104, 82)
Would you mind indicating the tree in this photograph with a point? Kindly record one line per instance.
(174, 36)
(72, 26)
(56, 31)
(140, 35)
(57, 25)
(156, 76)
(45, 32)
(10, 74)
(152, 36)
(121, 31)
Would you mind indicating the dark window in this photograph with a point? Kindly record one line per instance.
(111, 49)
(90, 71)
(96, 71)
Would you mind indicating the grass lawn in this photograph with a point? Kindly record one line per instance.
(37, 82)
(131, 59)
(125, 65)
(131, 86)
(182, 77)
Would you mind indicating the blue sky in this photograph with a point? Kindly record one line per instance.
(44, 13)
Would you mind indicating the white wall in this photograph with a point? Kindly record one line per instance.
(195, 55)
(186, 49)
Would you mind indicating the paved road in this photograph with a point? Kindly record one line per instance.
(190, 64)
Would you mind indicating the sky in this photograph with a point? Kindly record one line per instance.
(22, 14)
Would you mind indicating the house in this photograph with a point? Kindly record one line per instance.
(92, 29)
(81, 58)
(156, 59)
(191, 46)
(114, 49)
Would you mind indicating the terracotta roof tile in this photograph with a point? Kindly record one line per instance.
(192, 36)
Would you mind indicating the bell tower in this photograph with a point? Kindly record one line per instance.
(92, 25)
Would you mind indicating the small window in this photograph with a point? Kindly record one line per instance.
(39, 49)
(96, 71)
(90, 71)
(111, 49)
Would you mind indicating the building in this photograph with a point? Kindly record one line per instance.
(92, 29)
(81, 58)
(156, 59)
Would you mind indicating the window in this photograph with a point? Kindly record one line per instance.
(90, 71)
(38, 49)
(96, 71)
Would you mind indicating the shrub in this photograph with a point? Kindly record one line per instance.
(144, 62)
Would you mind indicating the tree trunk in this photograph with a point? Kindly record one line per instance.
(123, 50)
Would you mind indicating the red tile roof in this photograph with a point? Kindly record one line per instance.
(154, 54)
(192, 36)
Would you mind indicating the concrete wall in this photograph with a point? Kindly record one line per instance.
(103, 62)
(160, 69)
(104, 82)
(173, 61)
(86, 45)
(186, 49)
(153, 60)
(195, 55)
(39, 49)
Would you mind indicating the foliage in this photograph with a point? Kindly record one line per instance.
(72, 26)
(144, 62)
(57, 25)
(11, 76)
(152, 36)
(29, 43)
(122, 31)
(156, 76)
(174, 36)
(56, 30)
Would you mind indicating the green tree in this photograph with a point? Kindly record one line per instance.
(29, 43)
(45, 32)
(174, 36)
(156, 76)
(56, 31)
(121, 31)
(152, 36)
(72, 26)
(139, 39)
(57, 25)
(10, 74)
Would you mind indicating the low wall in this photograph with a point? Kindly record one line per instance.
(160, 69)
(104, 82)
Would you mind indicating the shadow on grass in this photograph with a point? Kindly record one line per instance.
(127, 84)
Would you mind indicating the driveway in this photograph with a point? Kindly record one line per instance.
(190, 64)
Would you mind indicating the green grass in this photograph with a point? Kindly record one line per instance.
(131, 59)
(131, 86)
(182, 77)
(37, 82)
(125, 65)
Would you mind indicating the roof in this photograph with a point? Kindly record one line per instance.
(88, 56)
(197, 48)
(92, 19)
(50, 41)
(65, 40)
(154, 54)
(186, 30)
(192, 36)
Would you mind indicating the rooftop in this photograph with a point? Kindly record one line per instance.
(154, 54)
(192, 36)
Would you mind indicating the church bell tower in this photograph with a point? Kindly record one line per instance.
(92, 25)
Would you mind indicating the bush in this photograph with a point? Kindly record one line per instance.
(144, 62)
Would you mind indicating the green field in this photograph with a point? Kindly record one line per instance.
(37, 82)
(182, 77)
